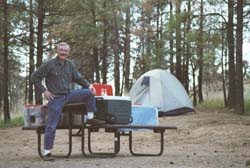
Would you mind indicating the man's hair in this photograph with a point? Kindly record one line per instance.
(62, 44)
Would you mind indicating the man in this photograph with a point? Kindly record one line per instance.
(59, 73)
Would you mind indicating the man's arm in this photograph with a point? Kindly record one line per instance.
(38, 75)
(79, 79)
(82, 81)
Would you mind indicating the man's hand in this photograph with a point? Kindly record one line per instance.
(92, 89)
(48, 95)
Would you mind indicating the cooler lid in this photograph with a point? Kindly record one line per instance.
(114, 98)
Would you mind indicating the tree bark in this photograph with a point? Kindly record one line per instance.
(148, 39)
(200, 54)
(1, 99)
(31, 53)
(40, 15)
(223, 68)
(143, 65)
(178, 68)
(194, 84)
(231, 68)
(1, 63)
(95, 48)
(127, 49)
(115, 46)
(187, 51)
(171, 42)
(158, 39)
(5, 63)
(239, 63)
(104, 47)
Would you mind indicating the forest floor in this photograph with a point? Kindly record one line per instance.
(205, 139)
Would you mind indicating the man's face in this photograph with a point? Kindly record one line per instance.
(63, 52)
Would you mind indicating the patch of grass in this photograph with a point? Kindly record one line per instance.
(18, 121)
(211, 104)
(219, 104)
(248, 163)
(247, 106)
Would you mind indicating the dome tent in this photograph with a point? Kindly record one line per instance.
(161, 89)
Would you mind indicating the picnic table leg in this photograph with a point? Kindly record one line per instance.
(100, 154)
(70, 135)
(39, 132)
(116, 145)
(83, 140)
(146, 154)
(39, 137)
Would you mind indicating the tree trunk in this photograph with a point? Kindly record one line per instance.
(142, 37)
(104, 47)
(96, 65)
(1, 98)
(26, 89)
(194, 84)
(200, 54)
(115, 42)
(127, 49)
(31, 53)
(1, 78)
(148, 40)
(5, 63)
(40, 15)
(239, 73)
(158, 6)
(1, 65)
(231, 68)
(178, 41)
(188, 51)
(159, 63)
(139, 67)
(95, 48)
(171, 42)
(222, 68)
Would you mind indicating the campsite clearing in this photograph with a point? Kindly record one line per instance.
(206, 139)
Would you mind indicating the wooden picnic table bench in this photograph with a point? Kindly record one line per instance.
(117, 129)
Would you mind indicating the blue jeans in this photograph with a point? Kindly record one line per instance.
(55, 108)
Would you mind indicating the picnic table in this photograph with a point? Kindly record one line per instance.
(144, 118)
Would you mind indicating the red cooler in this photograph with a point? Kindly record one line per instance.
(103, 89)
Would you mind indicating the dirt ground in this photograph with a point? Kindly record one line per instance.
(206, 139)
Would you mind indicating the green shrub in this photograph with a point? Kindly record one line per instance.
(18, 121)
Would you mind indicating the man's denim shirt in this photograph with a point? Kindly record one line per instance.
(58, 76)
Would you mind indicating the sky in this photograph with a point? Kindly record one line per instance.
(246, 51)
